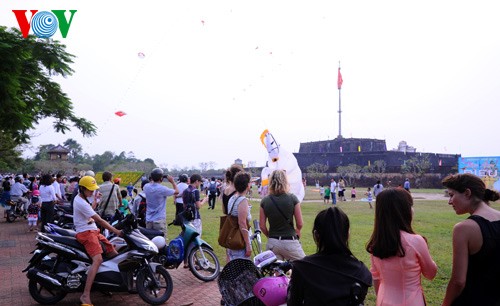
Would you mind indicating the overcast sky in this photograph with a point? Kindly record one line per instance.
(215, 74)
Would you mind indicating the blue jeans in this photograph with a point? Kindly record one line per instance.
(334, 198)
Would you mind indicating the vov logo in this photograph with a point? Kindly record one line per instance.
(44, 24)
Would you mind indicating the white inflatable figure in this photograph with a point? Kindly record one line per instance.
(280, 159)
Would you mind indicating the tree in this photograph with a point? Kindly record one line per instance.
(350, 173)
(43, 152)
(27, 92)
(10, 156)
(417, 166)
(377, 168)
(316, 171)
(75, 150)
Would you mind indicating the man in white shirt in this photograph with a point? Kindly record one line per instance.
(87, 233)
(333, 191)
(179, 203)
(57, 188)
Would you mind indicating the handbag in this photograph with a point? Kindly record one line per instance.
(230, 236)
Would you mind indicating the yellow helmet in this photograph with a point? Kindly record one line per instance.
(88, 182)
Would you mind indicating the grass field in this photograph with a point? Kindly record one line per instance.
(433, 219)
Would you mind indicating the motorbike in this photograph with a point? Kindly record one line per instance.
(59, 266)
(63, 216)
(16, 210)
(201, 258)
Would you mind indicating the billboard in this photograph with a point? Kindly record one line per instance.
(484, 167)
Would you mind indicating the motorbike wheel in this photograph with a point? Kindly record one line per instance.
(147, 289)
(11, 217)
(43, 295)
(205, 270)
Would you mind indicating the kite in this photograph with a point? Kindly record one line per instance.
(280, 159)
(120, 113)
(141, 55)
(203, 22)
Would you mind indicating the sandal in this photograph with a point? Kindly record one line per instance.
(186, 266)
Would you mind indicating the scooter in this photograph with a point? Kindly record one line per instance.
(16, 210)
(200, 256)
(59, 266)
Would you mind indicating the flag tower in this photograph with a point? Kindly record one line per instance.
(339, 86)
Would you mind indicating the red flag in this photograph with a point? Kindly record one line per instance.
(339, 80)
(120, 113)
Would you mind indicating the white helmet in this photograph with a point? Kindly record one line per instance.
(159, 241)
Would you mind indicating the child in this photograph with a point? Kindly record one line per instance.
(369, 196)
(353, 193)
(322, 191)
(33, 210)
(326, 198)
(123, 208)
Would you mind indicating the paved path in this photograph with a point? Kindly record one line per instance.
(15, 247)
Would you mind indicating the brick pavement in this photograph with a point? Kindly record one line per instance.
(15, 247)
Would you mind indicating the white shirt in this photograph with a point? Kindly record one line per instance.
(47, 193)
(57, 189)
(333, 186)
(82, 214)
(181, 187)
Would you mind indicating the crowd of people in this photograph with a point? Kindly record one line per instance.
(398, 255)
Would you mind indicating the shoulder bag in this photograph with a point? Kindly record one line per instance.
(230, 235)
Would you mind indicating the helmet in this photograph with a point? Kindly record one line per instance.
(159, 241)
(271, 290)
(88, 182)
(36, 193)
(90, 173)
(183, 178)
(264, 259)
(157, 174)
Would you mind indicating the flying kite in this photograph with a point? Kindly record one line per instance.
(141, 55)
(280, 159)
(120, 113)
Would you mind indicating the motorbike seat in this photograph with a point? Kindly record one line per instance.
(66, 208)
(65, 232)
(150, 233)
(70, 241)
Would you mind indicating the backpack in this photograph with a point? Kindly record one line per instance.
(189, 199)
(212, 188)
(141, 211)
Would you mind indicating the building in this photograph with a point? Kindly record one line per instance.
(365, 151)
(58, 153)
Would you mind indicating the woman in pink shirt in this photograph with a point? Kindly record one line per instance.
(398, 255)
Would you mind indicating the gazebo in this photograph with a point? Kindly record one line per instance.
(58, 153)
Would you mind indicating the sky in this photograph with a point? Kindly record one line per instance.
(200, 80)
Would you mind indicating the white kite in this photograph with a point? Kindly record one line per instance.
(280, 159)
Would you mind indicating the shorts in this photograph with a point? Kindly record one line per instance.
(327, 197)
(158, 225)
(91, 240)
(353, 196)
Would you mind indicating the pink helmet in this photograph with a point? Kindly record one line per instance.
(36, 193)
(271, 290)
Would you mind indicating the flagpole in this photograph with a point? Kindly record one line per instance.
(339, 85)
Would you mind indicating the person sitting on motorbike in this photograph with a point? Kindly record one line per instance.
(332, 276)
(17, 192)
(85, 219)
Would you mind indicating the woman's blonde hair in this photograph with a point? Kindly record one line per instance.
(278, 183)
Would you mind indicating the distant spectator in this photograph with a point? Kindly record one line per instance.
(406, 185)
(377, 188)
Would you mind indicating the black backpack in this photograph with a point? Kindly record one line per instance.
(189, 199)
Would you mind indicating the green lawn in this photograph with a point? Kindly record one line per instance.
(433, 219)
